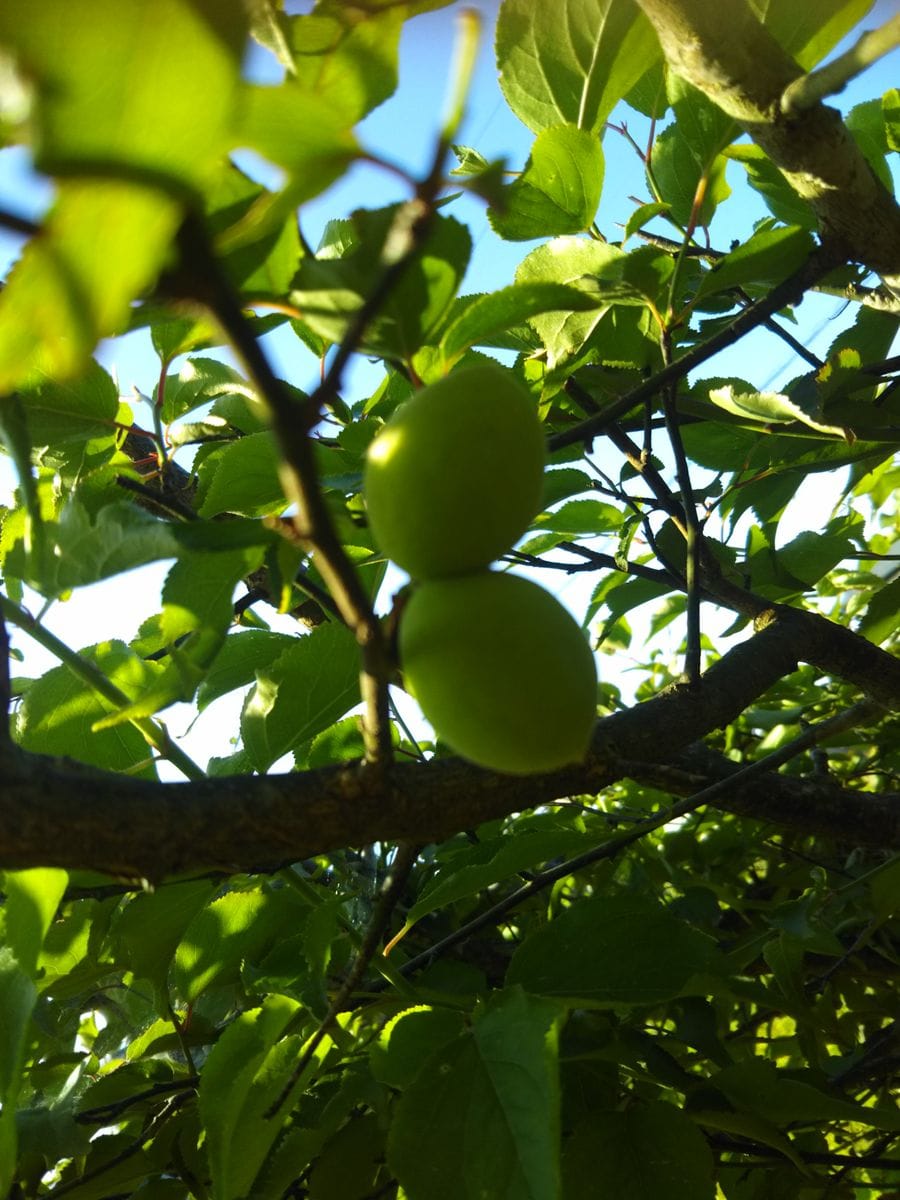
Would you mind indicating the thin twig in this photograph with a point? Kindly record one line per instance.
(401, 869)
(614, 845)
(312, 527)
(693, 535)
(16, 224)
(819, 263)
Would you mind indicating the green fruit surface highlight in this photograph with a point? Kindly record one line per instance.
(455, 476)
(501, 670)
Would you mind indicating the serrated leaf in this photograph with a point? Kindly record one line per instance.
(234, 927)
(613, 950)
(767, 257)
(765, 178)
(58, 713)
(242, 477)
(890, 103)
(331, 288)
(313, 683)
(768, 408)
(409, 1039)
(760, 1087)
(152, 924)
(347, 62)
(559, 190)
(85, 550)
(243, 654)
(197, 611)
(808, 29)
(32, 897)
(571, 61)
(679, 177)
(242, 1077)
(465, 877)
(200, 381)
(577, 262)
(483, 1114)
(581, 517)
(499, 311)
(78, 411)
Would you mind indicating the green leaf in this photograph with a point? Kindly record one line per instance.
(409, 1039)
(347, 62)
(808, 29)
(32, 897)
(200, 381)
(559, 190)
(152, 924)
(60, 413)
(648, 1151)
(59, 711)
(890, 103)
(100, 246)
(571, 61)
(866, 122)
(764, 177)
(679, 177)
(482, 1118)
(241, 1078)
(498, 311)
(768, 408)
(85, 550)
(351, 1165)
(766, 258)
(581, 517)
(242, 477)
(759, 1087)
(312, 685)
(485, 865)
(331, 288)
(145, 90)
(613, 950)
(237, 927)
(577, 262)
(879, 621)
(236, 664)
(197, 611)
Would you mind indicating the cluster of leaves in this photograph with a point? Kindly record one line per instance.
(710, 1013)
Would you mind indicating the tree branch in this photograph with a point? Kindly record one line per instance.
(140, 829)
(741, 68)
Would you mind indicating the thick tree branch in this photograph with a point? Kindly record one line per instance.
(726, 52)
(141, 829)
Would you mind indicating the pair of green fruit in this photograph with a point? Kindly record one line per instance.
(498, 666)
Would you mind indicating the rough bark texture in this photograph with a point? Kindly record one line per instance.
(57, 813)
(726, 53)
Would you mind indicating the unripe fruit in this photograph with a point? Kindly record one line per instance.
(501, 670)
(455, 476)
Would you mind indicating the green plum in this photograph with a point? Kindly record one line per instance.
(501, 670)
(455, 476)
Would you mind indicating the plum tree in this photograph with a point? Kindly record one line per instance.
(501, 670)
(454, 477)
